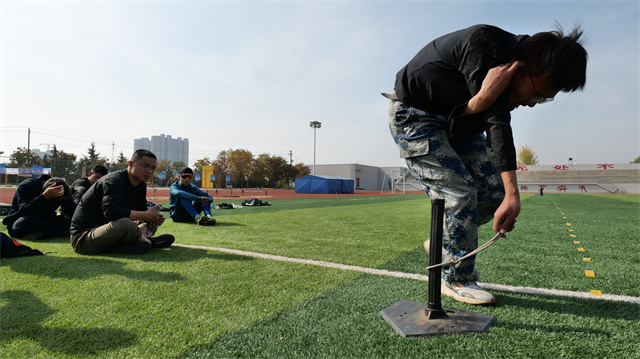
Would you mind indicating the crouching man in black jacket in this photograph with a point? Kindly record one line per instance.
(33, 213)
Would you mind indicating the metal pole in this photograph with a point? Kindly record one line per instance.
(434, 306)
(314, 150)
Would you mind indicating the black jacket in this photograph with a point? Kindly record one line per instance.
(448, 71)
(29, 201)
(111, 197)
(78, 188)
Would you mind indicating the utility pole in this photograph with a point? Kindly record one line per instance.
(290, 158)
(29, 139)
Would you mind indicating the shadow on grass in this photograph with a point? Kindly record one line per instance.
(228, 224)
(22, 317)
(586, 308)
(84, 268)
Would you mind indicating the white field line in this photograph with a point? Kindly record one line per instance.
(421, 277)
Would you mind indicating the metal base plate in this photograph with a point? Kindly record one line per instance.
(410, 320)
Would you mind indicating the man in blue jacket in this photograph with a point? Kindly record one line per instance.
(188, 203)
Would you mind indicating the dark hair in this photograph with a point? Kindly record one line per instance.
(58, 181)
(100, 169)
(142, 153)
(560, 56)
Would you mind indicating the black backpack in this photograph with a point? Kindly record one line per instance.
(11, 248)
(254, 202)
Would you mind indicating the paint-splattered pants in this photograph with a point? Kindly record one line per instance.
(457, 170)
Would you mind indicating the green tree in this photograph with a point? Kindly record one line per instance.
(259, 169)
(277, 170)
(62, 164)
(526, 156)
(121, 163)
(176, 167)
(301, 170)
(92, 159)
(637, 160)
(221, 168)
(22, 157)
(239, 166)
(197, 166)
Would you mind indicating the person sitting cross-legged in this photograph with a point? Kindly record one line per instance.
(188, 203)
(113, 217)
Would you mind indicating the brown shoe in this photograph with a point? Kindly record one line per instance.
(206, 221)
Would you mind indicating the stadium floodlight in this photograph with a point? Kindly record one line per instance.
(315, 125)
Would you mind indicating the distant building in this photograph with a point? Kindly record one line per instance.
(41, 154)
(165, 147)
(372, 178)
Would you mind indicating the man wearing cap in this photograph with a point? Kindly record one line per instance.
(188, 203)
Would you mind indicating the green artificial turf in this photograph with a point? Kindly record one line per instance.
(184, 302)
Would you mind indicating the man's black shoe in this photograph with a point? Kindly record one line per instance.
(162, 241)
(137, 247)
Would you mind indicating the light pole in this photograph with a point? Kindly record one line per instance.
(315, 125)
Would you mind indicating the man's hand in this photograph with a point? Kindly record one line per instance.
(494, 84)
(205, 199)
(152, 215)
(504, 219)
(53, 191)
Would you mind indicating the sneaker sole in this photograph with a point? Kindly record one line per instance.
(450, 293)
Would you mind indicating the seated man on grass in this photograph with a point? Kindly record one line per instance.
(112, 216)
(81, 185)
(188, 203)
(34, 209)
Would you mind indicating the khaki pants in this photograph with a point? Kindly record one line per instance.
(101, 239)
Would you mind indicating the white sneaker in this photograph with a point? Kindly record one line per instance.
(469, 292)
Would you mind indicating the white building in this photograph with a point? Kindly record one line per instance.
(165, 147)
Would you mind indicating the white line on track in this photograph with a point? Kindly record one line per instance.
(421, 277)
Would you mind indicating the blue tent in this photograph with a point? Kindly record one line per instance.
(324, 184)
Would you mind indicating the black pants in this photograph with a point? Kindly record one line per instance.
(57, 226)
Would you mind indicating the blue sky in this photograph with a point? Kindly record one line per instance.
(253, 74)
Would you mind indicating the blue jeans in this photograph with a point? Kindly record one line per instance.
(457, 170)
(186, 211)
